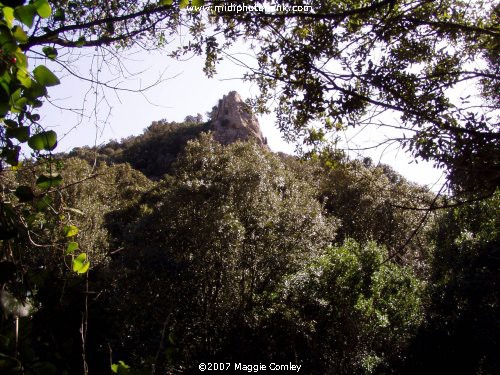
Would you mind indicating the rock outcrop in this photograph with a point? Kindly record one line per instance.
(233, 120)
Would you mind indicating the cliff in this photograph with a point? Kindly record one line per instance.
(233, 120)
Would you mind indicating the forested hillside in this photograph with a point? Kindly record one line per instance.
(152, 152)
(202, 252)
(192, 247)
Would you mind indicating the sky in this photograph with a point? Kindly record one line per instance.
(84, 114)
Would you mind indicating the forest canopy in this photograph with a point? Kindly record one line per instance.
(167, 250)
(238, 254)
(337, 66)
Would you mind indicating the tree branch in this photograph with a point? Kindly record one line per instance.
(52, 35)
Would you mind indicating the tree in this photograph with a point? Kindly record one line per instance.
(342, 63)
(373, 203)
(152, 152)
(24, 207)
(122, 23)
(31, 31)
(205, 246)
(346, 312)
(459, 333)
(346, 63)
(41, 266)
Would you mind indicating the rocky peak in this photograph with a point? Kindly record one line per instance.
(233, 120)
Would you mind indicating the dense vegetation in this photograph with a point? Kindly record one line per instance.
(237, 254)
(166, 250)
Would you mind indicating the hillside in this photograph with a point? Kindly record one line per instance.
(205, 246)
(154, 151)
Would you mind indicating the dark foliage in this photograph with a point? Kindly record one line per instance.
(232, 253)
(237, 254)
(152, 152)
(461, 330)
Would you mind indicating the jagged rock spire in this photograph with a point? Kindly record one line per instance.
(233, 120)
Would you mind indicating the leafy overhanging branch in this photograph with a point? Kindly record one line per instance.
(53, 35)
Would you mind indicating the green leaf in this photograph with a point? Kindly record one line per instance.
(43, 8)
(167, 2)
(7, 42)
(16, 95)
(72, 246)
(20, 35)
(70, 230)
(4, 101)
(80, 265)
(171, 338)
(120, 368)
(19, 105)
(43, 141)
(50, 52)
(48, 180)
(45, 77)
(22, 133)
(22, 60)
(11, 155)
(11, 123)
(8, 14)
(43, 203)
(197, 3)
(24, 194)
(35, 90)
(24, 77)
(59, 15)
(26, 14)
(183, 3)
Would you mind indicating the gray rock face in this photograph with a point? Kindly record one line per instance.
(233, 120)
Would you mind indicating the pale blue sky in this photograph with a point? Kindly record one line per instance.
(184, 91)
